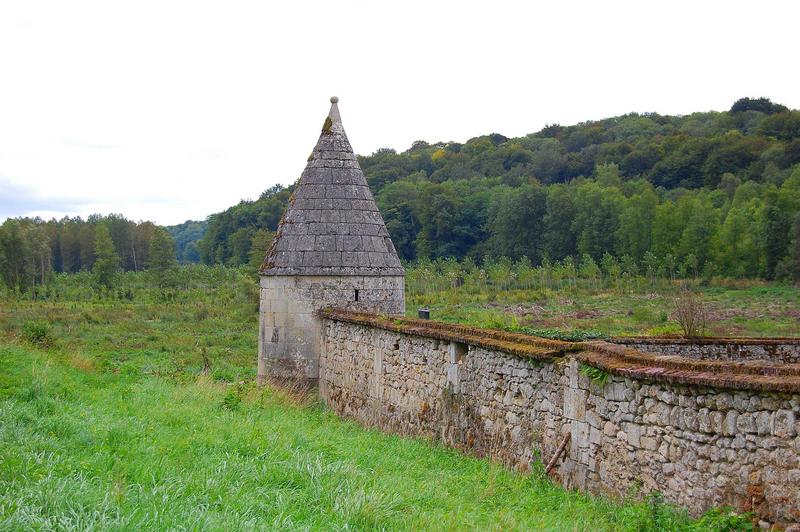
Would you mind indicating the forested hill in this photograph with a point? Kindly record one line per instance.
(713, 192)
(186, 236)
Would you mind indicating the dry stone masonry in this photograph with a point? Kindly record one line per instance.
(649, 429)
(774, 350)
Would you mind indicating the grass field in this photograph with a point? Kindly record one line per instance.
(735, 308)
(130, 415)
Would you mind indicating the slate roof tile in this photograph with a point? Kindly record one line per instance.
(332, 225)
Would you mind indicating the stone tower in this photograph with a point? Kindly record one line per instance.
(331, 249)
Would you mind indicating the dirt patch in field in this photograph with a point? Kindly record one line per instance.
(584, 314)
(792, 313)
(726, 330)
(523, 311)
(768, 311)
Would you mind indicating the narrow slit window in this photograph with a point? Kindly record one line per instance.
(356, 297)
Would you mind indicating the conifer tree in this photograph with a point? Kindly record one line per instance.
(161, 256)
(106, 263)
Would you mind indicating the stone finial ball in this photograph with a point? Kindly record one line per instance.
(334, 99)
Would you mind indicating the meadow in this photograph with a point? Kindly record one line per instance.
(135, 409)
(558, 303)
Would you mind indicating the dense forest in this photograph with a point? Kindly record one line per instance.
(714, 193)
(186, 236)
(32, 249)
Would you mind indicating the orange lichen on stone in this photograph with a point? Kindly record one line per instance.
(518, 344)
(753, 375)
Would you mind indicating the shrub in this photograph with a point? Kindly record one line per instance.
(201, 313)
(37, 333)
(724, 519)
(233, 399)
(691, 313)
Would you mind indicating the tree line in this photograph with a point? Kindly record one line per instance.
(242, 234)
(714, 193)
(738, 230)
(32, 249)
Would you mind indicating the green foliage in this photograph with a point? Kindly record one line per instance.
(229, 237)
(509, 215)
(570, 301)
(636, 185)
(259, 245)
(31, 250)
(580, 335)
(162, 256)
(597, 375)
(631, 185)
(106, 264)
(25, 255)
(186, 236)
(37, 333)
(724, 519)
(707, 194)
(233, 399)
(761, 105)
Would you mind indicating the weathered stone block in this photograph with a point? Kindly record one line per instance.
(648, 443)
(595, 436)
(762, 421)
(633, 433)
(783, 422)
(575, 403)
(729, 427)
(580, 437)
(610, 429)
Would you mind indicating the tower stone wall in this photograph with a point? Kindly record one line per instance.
(289, 332)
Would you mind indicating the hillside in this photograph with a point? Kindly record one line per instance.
(186, 236)
(710, 192)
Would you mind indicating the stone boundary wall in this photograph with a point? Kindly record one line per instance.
(775, 350)
(701, 435)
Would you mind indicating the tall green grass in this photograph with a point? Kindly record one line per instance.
(85, 449)
(110, 419)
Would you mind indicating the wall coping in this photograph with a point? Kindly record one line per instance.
(523, 345)
(611, 357)
(748, 375)
(680, 340)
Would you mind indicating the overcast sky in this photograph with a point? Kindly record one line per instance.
(170, 111)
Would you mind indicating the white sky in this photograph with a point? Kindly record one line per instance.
(174, 110)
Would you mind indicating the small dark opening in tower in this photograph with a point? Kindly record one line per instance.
(356, 299)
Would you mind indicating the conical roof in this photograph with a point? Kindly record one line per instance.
(332, 225)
